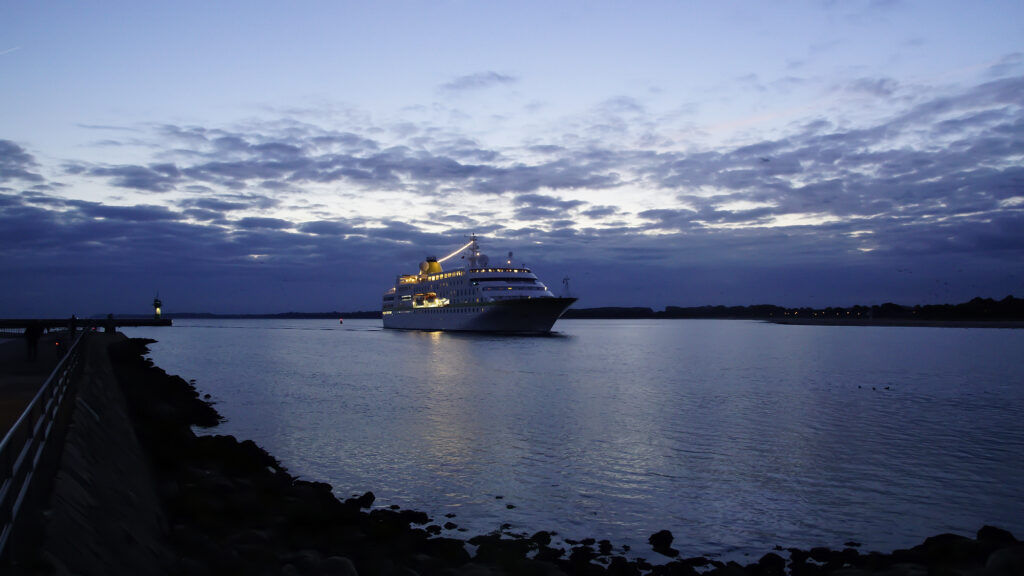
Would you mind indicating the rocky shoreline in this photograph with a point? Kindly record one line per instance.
(231, 508)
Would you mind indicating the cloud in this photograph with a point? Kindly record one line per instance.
(477, 81)
(215, 204)
(254, 223)
(200, 215)
(555, 175)
(542, 201)
(16, 163)
(868, 177)
(622, 105)
(1011, 63)
(243, 160)
(108, 127)
(529, 213)
(327, 228)
(943, 156)
(598, 212)
(259, 209)
(460, 221)
(151, 178)
(878, 87)
(138, 213)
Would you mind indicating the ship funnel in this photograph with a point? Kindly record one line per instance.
(432, 266)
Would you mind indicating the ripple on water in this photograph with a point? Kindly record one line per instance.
(736, 436)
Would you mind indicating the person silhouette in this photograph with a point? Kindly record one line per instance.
(32, 333)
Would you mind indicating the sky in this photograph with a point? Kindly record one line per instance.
(258, 157)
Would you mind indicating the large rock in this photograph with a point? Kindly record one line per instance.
(661, 542)
(338, 566)
(1008, 561)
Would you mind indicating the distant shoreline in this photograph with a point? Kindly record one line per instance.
(901, 323)
(790, 321)
(907, 323)
(976, 313)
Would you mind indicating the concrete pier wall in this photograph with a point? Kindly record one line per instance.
(104, 516)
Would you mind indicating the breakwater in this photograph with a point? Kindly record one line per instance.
(223, 506)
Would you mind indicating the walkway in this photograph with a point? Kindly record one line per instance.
(104, 516)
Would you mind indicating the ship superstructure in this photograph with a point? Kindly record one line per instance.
(478, 297)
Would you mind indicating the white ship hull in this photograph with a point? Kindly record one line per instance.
(532, 316)
(476, 298)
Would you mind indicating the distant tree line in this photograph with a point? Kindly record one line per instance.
(278, 316)
(760, 311)
(978, 309)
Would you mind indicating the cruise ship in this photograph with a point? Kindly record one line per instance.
(477, 297)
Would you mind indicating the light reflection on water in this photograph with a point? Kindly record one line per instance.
(736, 436)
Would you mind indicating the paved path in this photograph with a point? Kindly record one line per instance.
(21, 378)
(104, 516)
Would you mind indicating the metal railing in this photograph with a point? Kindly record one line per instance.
(30, 454)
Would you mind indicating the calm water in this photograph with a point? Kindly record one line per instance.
(734, 435)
